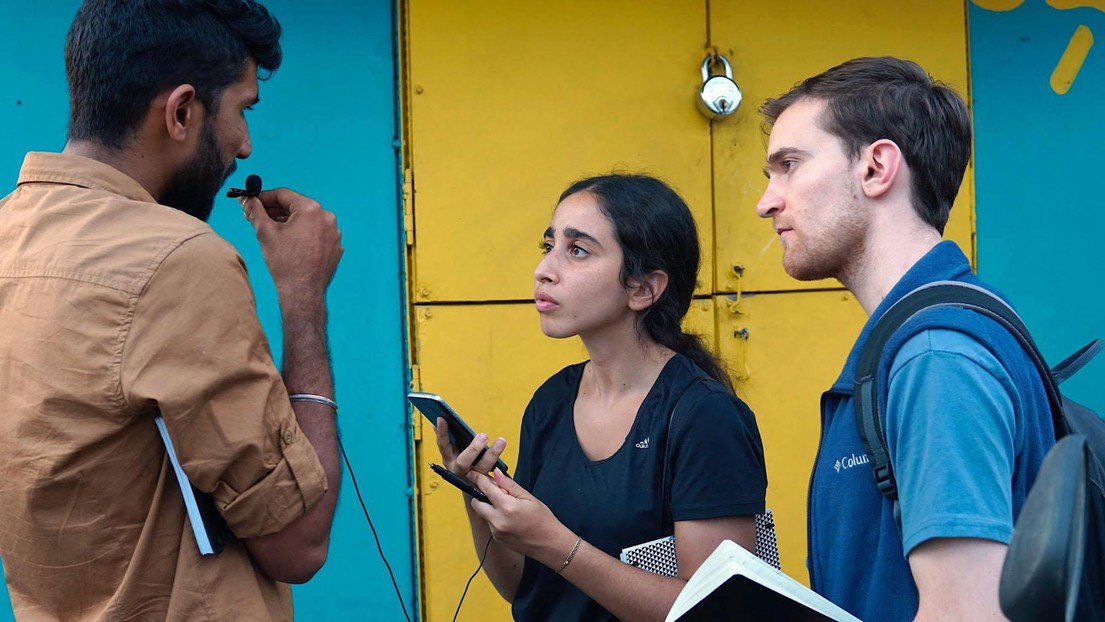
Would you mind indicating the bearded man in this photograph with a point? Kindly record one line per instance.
(120, 304)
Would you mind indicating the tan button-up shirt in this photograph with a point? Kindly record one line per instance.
(112, 309)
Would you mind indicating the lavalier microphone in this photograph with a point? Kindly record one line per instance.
(253, 188)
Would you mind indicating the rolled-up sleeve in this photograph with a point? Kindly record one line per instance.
(195, 352)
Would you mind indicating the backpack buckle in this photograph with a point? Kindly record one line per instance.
(884, 479)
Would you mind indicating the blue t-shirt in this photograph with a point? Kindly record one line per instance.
(717, 469)
(968, 424)
(949, 390)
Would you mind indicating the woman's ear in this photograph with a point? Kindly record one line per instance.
(644, 293)
(183, 113)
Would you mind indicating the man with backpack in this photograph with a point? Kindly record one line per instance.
(864, 162)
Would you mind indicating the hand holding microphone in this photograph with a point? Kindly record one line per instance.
(253, 191)
(300, 241)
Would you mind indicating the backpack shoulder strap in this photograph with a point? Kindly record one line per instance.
(869, 418)
(1076, 361)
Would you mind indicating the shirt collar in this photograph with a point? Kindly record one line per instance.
(74, 170)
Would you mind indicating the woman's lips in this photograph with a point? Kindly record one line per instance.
(545, 303)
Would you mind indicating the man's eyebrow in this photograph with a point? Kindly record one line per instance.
(781, 154)
(549, 232)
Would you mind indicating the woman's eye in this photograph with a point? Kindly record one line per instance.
(545, 246)
(577, 251)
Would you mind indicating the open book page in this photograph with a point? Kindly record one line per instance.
(734, 584)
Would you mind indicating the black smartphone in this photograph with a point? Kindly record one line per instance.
(433, 407)
(462, 484)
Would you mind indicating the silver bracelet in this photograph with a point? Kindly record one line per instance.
(572, 554)
(315, 399)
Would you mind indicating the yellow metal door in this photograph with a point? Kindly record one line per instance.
(774, 45)
(787, 349)
(512, 101)
(487, 360)
(508, 102)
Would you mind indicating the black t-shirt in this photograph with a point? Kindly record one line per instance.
(717, 469)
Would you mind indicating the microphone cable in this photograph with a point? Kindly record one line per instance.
(375, 535)
(478, 568)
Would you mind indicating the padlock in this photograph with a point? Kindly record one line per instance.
(720, 95)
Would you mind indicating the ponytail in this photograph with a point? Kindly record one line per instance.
(665, 330)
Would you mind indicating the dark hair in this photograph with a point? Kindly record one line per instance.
(868, 99)
(121, 54)
(656, 231)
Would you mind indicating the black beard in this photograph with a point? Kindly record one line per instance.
(192, 187)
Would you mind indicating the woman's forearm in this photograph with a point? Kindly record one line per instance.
(631, 594)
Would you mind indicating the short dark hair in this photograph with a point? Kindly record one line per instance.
(120, 54)
(656, 231)
(869, 99)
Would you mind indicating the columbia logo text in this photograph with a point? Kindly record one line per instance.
(848, 462)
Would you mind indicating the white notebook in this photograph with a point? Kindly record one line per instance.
(207, 524)
(733, 584)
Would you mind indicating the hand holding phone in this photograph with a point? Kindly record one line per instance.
(462, 484)
(461, 435)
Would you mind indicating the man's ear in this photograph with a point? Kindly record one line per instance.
(882, 160)
(644, 293)
(183, 112)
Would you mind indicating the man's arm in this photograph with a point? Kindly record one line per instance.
(957, 579)
(952, 434)
(301, 247)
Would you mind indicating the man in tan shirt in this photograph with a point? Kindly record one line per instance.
(118, 303)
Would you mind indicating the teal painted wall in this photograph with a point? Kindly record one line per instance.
(1039, 184)
(326, 126)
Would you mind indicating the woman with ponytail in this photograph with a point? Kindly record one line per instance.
(645, 439)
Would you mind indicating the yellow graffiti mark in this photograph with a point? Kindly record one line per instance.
(1077, 4)
(1071, 62)
(998, 5)
(1066, 71)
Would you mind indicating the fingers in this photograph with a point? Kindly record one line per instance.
(487, 462)
(259, 215)
(499, 484)
(278, 204)
(490, 511)
(478, 456)
(300, 241)
(516, 518)
(251, 207)
(486, 511)
(508, 485)
(282, 203)
(466, 459)
(445, 444)
(491, 488)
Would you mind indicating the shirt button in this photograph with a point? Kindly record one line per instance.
(289, 438)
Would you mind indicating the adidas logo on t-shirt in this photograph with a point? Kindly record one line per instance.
(643, 444)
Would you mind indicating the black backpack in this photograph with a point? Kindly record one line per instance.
(1056, 559)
